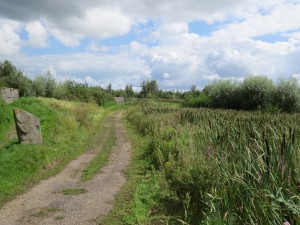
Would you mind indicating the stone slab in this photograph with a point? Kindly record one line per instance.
(28, 127)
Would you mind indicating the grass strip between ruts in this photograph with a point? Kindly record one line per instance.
(102, 157)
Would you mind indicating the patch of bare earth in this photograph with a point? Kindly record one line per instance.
(46, 203)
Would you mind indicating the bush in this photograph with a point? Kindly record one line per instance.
(11, 77)
(287, 95)
(202, 100)
(39, 85)
(224, 94)
(256, 92)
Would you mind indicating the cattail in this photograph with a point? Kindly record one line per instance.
(293, 137)
(267, 155)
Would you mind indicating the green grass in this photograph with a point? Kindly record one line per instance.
(59, 218)
(136, 199)
(67, 129)
(101, 159)
(112, 106)
(6, 121)
(45, 212)
(74, 191)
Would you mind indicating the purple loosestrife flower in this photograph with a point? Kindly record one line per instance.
(209, 151)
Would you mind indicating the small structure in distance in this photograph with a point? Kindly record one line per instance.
(119, 100)
(9, 95)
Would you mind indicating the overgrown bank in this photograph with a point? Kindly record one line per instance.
(216, 167)
(67, 129)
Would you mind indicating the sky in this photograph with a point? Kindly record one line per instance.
(179, 43)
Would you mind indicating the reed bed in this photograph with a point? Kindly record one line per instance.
(224, 166)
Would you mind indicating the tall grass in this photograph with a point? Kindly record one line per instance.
(5, 120)
(224, 166)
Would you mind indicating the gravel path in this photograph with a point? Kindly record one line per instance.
(46, 204)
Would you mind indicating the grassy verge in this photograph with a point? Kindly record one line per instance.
(135, 203)
(101, 158)
(67, 128)
(6, 121)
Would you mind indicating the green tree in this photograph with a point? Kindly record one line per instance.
(39, 85)
(256, 92)
(129, 91)
(193, 89)
(109, 88)
(13, 78)
(50, 85)
(149, 89)
(224, 94)
(287, 95)
(45, 85)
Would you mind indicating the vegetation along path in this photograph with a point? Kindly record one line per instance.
(65, 198)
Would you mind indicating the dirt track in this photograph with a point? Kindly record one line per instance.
(46, 204)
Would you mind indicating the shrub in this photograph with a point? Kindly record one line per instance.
(201, 100)
(11, 77)
(224, 94)
(287, 95)
(256, 92)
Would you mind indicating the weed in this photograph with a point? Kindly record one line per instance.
(74, 191)
(59, 217)
(45, 212)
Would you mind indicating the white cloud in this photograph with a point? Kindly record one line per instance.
(10, 42)
(99, 23)
(37, 34)
(94, 23)
(166, 75)
(169, 30)
(189, 10)
(65, 37)
(93, 47)
(281, 19)
(165, 51)
(119, 69)
(293, 35)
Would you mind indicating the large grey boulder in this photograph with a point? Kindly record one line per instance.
(28, 127)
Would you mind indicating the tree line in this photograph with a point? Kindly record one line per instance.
(47, 86)
(253, 93)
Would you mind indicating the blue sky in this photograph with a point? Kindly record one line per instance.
(178, 43)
